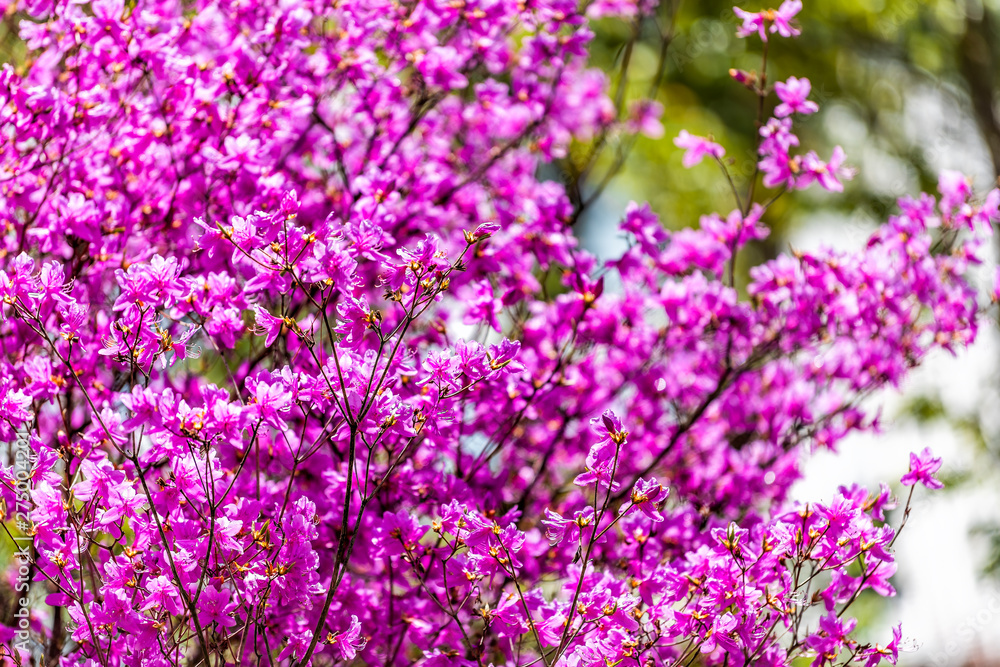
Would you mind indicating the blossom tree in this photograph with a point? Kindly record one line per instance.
(313, 369)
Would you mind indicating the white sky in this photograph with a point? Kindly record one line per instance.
(946, 607)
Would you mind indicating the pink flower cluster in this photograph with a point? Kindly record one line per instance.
(316, 370)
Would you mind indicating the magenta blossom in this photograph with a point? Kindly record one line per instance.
(379, 468)
(828, 174)
(697, 148)
(647, 496)
(214, 607)
(890, 651)
(268, 324)
(955, 189)
(770, 20)
(723, 635)
(644, 118)
(794, 94)
(922, 469)
(162, 594)
(349, 642)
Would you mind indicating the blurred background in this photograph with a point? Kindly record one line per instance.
(907, 88)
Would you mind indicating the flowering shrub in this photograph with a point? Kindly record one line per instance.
(315, 370)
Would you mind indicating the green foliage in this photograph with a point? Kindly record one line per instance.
(881, 71)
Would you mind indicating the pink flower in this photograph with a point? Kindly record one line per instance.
(647, 495)
(269, 324)
(162, 594)
(297, 645)
(883, 501)
(831, 635)
(442, 66)
(241, 151)
(602, 460)
(397, 533)
(15, 406)
(794, 95)
(644, 118)
(214, 607)
(827, 174)
(269, 398)
(778, 170)
(721, 635)
(485, 230)
(773, 20)
(504, 355)
(776, 137)
(697, 148)
(922, 469)
(955, 189)
(349, 642)
(620, 8)
(357, 318)
(890, 651)
(641, 222)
